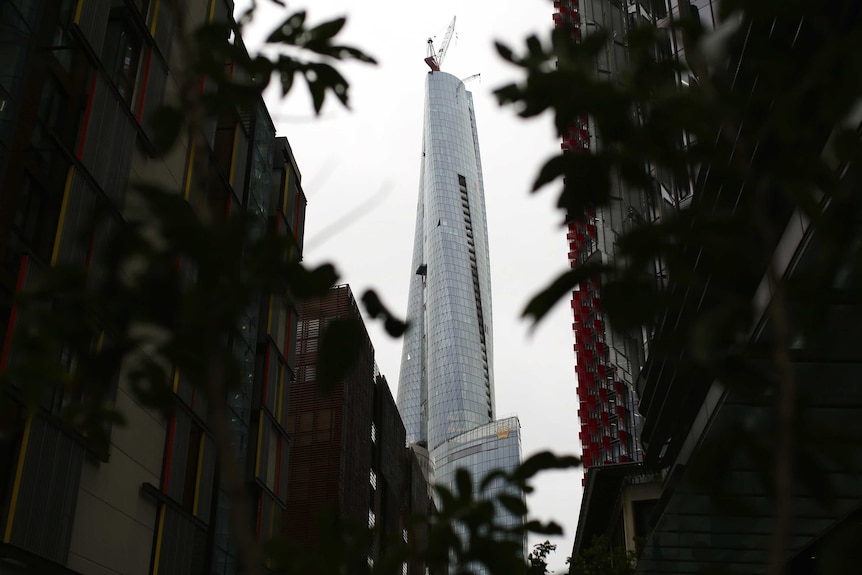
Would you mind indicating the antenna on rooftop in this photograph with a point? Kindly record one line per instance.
(435, 58)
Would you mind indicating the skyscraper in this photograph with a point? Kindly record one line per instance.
(714, 511)
(446, 386)
(607, 360)
(619, 494)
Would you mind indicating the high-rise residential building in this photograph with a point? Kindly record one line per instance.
(349, 454)
(710, 440)
(446, 385)
(607, 361)
(79, 81)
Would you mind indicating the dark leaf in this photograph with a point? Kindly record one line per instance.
(489, 479)
(373, 305)
(166, 122)
(553, 168)
(343, 52)
(464, 484)
(542, 302)
(633, 301)
(375, 308)
(340, 347)
(327, 30)
(317, 90)
(550, 528)
(289, 30)
(286, 81)
(505, 52)
(543, 461)
(312, 283)
(515, 505)
(395, 327)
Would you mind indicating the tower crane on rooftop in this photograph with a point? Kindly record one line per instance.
(435, 58)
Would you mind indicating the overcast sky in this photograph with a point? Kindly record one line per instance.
(360, 172)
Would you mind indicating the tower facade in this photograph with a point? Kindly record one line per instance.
(446, 385)
(79, 82)
(607, 360)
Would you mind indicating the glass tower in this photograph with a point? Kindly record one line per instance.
(446, 385)
(447, 381)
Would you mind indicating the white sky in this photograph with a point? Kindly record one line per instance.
(360, 172)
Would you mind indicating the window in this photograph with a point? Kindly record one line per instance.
(190, 482)
(122, 49)
(29, 210)
(272, 462)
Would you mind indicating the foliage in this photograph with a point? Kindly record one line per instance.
(764, 125)
(175, 290)
(714, 156)
(643, 118)
(463, 537)
(538, 558)
(600, 558)
(177, 279)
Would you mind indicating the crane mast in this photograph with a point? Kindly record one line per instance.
(435, 58)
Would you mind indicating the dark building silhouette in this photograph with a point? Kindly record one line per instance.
(711, 441)
(618, 491)
(79, 80)
(607, 360)
(349, 453)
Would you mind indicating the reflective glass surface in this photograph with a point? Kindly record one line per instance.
(446, 384)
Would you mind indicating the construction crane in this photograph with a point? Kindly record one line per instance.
(435, 58)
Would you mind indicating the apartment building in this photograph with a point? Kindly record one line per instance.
(79, 82)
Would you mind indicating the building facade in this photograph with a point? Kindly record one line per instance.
(710, 439)
(349, 453)
(79, 82)
(607, 361)
(446, 385)
(495, 445)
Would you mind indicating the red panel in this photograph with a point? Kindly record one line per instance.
(22, 273)
(87, 115)
(144, 85)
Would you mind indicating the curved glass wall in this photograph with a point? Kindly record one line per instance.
(446, 384)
